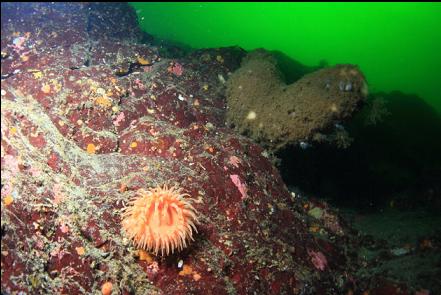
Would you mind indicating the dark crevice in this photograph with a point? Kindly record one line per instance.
(6, 76)
(131, 69)
(87, 62)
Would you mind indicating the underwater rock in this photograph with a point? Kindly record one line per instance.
(80, 138)
(274, 114)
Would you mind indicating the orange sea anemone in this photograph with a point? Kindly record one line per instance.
(160, 219)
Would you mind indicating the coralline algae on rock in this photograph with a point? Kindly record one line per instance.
(80, 137)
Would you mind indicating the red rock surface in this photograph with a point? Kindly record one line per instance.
(88, 117)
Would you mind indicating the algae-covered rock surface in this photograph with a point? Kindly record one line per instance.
(89, 116)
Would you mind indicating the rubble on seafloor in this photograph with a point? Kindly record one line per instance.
(89, 115)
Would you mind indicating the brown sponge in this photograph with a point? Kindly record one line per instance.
(263, 107)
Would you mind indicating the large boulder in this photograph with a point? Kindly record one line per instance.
(89, 116)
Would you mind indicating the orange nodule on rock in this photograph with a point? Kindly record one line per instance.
(144, 62)
(8, 200)
(122, 187)
(91, 148)
(46, 88)
(144, 256)
(160, 220)
(106, 288)
(186, 270)
(80, 250)
(196, 277)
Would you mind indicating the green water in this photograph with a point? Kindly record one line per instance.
(397, 45)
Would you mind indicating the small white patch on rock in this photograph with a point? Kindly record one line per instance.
(251, 115)
(221, 78)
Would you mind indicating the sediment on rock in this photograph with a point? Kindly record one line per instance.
(262, 106)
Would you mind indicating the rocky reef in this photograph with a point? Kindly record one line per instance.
(262, 106)
(90, 115)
